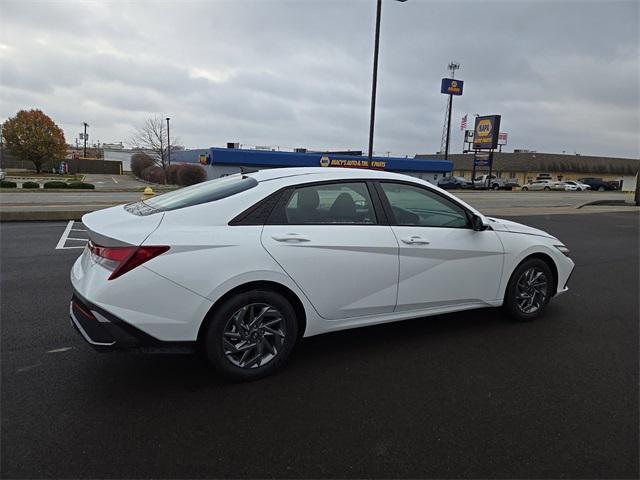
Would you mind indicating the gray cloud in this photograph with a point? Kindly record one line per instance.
(564, 74)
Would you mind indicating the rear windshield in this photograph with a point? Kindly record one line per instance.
(201, 193)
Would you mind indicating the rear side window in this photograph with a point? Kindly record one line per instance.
(331, 203)
(201, 193)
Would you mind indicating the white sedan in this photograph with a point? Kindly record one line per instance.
(244, 266)
(574, 186)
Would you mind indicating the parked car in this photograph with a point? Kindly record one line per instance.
(510, 183)
(597, 184)
(572, 185)
(450, 183)
(540, 185)
(3, 175)
(494, 183)
(241, 267)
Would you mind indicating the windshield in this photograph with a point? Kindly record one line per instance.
(202, 193)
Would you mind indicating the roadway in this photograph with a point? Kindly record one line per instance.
(468, 395)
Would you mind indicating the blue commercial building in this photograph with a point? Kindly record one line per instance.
(225, 161)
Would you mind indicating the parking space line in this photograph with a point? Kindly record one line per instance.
(78, 239)
(65, 234)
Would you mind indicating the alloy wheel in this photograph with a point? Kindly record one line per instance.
(531, 290)
(253, 336)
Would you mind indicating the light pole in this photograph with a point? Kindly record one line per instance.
(85, 138)
(453, 66)
(374, 82)
(168, 144)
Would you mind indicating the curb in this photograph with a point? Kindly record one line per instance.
(43, 215)
(610, 203)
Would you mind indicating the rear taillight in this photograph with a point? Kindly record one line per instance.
(124, 259)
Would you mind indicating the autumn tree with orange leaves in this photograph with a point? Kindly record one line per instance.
(34, 137)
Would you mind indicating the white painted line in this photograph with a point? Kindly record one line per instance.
(114, 179)
(78, 239)
(64, 236)
(59, 350)
(28, 367)
(68, 248)
(78, 230)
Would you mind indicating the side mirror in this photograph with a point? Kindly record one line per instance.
(476, 223)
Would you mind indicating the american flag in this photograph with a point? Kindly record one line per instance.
(463, 124)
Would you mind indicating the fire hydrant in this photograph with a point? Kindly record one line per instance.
(148, 192)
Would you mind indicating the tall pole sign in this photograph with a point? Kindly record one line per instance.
(451, 87)
(486, 134)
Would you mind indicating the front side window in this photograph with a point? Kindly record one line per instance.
(421, 207)
(334, 203)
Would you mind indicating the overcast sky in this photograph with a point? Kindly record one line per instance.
(563, 74)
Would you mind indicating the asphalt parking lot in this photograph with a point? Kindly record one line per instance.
(461, 395)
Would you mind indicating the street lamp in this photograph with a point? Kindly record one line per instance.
(374, 82)
(168, 144)
(85, 138)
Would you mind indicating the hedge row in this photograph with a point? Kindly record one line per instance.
(7, 184)
(182, 174)
(73, 185)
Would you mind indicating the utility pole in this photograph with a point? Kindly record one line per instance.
(168, 144)
(85, 138)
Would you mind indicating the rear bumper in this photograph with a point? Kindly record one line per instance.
(106, 332)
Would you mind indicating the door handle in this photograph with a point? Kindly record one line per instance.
(290, 237)
(415, 240)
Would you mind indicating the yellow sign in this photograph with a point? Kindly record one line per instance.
(325, 161)
(484, 128)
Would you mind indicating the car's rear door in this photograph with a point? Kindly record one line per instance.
(443, 262)
(329, 240)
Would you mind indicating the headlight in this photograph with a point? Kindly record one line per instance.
(563, 249)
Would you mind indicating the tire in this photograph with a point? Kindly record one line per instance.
(601, 188)
(523, 300)
(525, 188)
(496, 187)
(228, 332)
(547, 188)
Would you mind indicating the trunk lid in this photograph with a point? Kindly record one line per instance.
(115, 226)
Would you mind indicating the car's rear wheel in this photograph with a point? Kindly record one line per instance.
(251, 335)
(529, 290)
(547, 188)
(496, 186)
(525, 188)
(601, 188)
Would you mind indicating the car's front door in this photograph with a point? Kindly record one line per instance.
(328, 240)
(443, 261)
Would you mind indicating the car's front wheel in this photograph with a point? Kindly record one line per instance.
(601, 188)
(251, 335)
(529, 290)
(525, 188)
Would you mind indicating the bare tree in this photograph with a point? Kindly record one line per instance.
(151, 137)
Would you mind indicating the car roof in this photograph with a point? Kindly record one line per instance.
(328, 173)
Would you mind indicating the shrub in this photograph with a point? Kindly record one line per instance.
(8, 184)
(55, 184)
(153, 174)
(30, 185)
(189, 174)
(172, 174)
(139, 162)
(81, 185)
